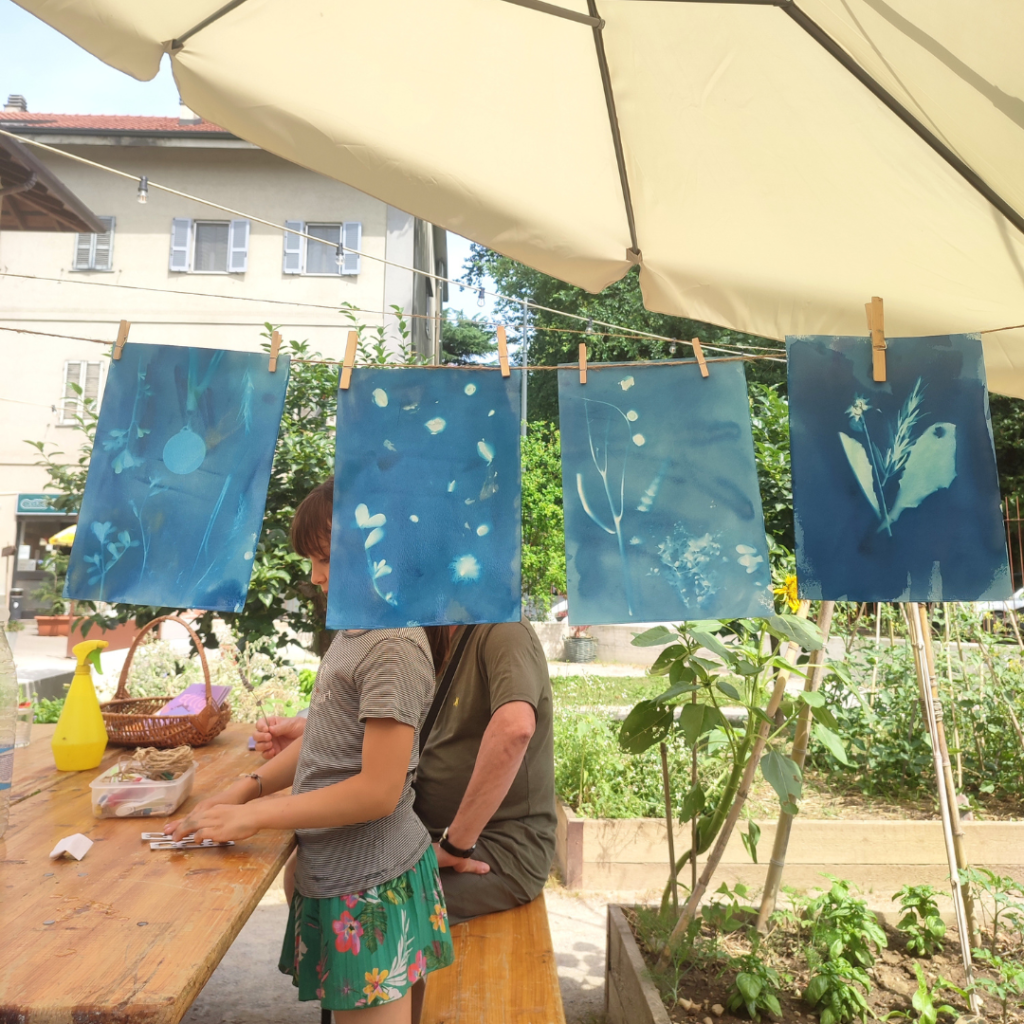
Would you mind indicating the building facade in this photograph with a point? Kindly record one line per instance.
(181, 273)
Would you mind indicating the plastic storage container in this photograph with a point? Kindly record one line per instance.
(146, 799)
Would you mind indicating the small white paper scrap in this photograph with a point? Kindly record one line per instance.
(76, 846)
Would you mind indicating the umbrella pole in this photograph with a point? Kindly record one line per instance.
(801, 739)
(920, 640)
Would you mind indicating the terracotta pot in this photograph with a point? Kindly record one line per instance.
(53, 625)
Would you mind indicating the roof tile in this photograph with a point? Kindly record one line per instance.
(105, 123)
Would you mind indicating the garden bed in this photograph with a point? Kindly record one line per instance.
(639, 992)
(878, 856)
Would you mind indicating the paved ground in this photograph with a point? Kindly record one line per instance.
(248, 989)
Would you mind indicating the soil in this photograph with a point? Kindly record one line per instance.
(823, 800)
(893, 978)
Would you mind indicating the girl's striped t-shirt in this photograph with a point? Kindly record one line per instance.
(381, 673)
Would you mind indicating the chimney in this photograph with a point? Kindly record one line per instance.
(16, 102)
(186, 115)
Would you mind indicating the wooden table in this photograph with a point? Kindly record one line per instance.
(127, 934)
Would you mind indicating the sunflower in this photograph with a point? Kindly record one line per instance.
(788, 592)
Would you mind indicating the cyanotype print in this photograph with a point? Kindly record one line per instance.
(662, 510)
(895, 489)
(177, 484)
(426, 499)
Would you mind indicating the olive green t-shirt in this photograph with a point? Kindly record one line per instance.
(502, 662)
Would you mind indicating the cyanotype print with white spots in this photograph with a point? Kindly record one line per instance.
(895, 487)
(662, 510)
(177, 484)
(427, 499)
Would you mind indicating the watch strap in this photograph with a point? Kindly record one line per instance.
(455, 851)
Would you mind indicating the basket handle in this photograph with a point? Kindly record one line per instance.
(122, 683)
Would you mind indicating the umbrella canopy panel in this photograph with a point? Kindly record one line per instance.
(769, 165)
(33, 199)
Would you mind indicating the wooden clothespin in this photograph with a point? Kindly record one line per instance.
(698, 351)
(583, 362)
(275, 347)
(503, 352)
(350, 360)
(876, 325)
(122, 338)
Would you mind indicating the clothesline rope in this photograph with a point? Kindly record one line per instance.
(437, 278)
(745, 358)
(621, 332)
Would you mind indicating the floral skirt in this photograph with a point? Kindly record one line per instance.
(370, 947)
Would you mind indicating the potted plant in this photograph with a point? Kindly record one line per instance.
(57, 622)
(580, 646)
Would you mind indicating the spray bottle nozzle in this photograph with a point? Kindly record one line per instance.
(88, 653)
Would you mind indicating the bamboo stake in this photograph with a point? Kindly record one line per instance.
(947, 770)
(915, 620)
(949, 679)
(801, 741)
(693, 820)
(668, 824)
(792, 652)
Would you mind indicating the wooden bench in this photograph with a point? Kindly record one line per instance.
(504, 972)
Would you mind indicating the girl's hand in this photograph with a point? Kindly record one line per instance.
(220, 822)
(234, 794)
(273, 734)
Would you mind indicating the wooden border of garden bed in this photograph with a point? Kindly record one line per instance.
(877, 856)
(630, 997)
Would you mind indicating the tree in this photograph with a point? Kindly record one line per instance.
(543, 539)
(466, 340)
(554, 339)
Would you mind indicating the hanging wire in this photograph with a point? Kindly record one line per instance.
(437, 278)
(620, 332)
(746, 358)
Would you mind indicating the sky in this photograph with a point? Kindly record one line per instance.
(56, 76)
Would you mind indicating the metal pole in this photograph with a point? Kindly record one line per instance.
(525, 362)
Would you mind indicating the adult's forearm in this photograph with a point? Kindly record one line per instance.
(502, 749)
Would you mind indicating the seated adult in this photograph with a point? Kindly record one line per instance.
(485, 785)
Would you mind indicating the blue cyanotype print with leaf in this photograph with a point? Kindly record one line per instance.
(895, 488)
(427, 497)
(178, 478)
(662, 510)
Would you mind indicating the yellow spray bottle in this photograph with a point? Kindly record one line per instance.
(81, 736)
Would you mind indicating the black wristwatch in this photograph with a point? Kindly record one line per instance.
(454, 850)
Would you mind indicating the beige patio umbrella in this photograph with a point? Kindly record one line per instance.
(770, 164)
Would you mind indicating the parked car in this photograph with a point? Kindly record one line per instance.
(1016, 603)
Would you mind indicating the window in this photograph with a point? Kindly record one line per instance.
(87, 377)
(209, 246)
(304, 256)
(95, 252)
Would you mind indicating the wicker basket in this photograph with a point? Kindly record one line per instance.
(134, 722)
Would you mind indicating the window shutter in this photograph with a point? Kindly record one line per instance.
(181, 231)
(91, 384)
(293, 247)
(69, 399)
(351, 238)
(83, 252)
(103, 251)
(238, 247)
